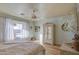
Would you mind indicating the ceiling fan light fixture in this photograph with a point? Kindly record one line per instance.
(34, 16)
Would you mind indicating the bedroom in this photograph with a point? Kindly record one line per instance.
(37, 28)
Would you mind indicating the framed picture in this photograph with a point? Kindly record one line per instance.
(37, 28)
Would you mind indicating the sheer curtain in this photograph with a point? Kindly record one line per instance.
(16, 30)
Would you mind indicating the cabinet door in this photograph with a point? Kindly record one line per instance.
(48, 33)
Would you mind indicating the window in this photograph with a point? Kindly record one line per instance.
(16, 30)
(20, 33)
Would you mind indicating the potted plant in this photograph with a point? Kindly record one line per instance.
(75, 42)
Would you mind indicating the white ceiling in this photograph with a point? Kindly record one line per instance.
(44, 10)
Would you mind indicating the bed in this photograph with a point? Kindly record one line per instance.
(27, 48)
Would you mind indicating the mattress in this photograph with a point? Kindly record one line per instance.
(28, 48)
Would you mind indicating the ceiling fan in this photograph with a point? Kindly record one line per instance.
(34, 16)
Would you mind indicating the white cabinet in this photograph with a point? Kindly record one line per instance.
(48, 33)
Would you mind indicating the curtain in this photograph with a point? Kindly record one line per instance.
(16, 30)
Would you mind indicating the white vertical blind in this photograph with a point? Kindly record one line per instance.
(16, 30)
(9, 30)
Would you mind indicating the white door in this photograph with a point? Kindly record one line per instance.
(48, 35)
